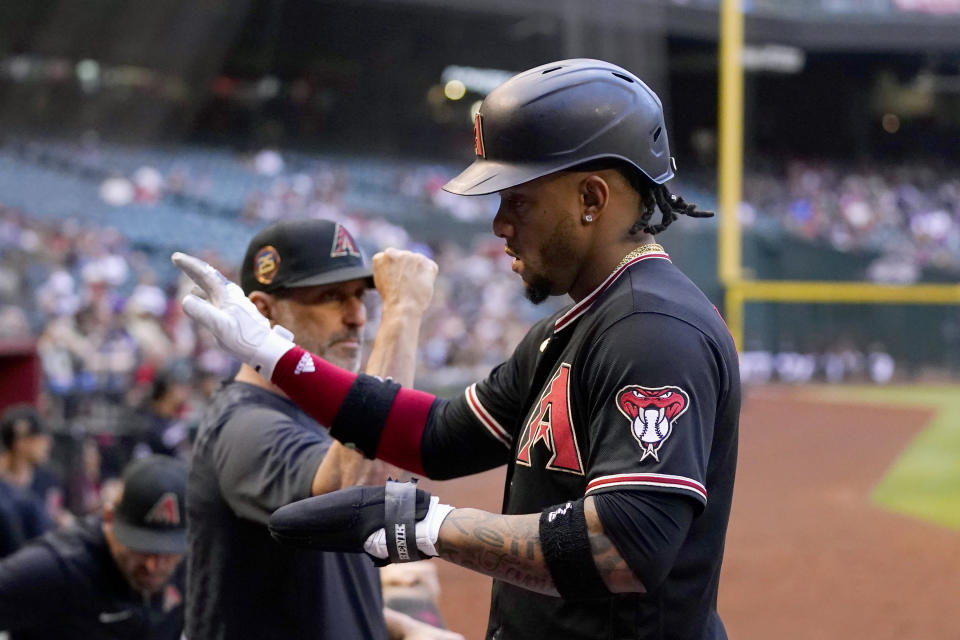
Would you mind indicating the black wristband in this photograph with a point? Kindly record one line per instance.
(364, 412)
(566, 549)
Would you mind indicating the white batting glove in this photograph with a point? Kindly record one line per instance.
(428, 530)
(235, 322)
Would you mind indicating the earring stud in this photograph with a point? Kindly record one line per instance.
(588, 218)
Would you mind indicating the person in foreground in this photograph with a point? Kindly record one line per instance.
(617, 417)
(256, 451)
(115, 576)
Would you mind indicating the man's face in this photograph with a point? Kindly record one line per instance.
(145, 572)
(538, 220)
(326, 320)
(39, 448)
(33, 448)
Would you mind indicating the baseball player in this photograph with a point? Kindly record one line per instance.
(617, 417)
(256, 451)
(115, 576)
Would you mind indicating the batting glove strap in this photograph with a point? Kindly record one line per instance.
(398, 514)
(428, 530)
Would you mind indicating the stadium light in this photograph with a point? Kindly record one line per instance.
(482, 81)
(454, 90)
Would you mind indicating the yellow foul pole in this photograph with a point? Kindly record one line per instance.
(730, 162)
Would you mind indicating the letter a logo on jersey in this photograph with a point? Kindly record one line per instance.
(343, 244)
(552, 424)
(165, 511)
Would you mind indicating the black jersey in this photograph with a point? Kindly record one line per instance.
(255, 452)
(635, 387)
(66, 585)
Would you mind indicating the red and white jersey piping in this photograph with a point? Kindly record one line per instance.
(581, 307)
(486, 419)
(648, 480)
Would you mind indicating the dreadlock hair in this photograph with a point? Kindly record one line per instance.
(653, 196)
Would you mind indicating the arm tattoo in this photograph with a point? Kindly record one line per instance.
(616, 574)
(504, 547)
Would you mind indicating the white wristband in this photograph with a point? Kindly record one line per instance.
(428, 529)
(278, 341)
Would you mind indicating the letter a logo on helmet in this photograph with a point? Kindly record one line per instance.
(478, 136)
(562, 114)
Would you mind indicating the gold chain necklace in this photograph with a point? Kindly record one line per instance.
(642, 250)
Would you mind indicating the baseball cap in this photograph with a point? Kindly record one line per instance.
(20, 421)
(149, 517)
(302, 253)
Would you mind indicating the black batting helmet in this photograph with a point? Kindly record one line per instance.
(562, 114)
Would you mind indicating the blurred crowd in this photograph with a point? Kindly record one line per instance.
(841, 363)
(907, 213)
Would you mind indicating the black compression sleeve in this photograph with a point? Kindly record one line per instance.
(647, 528)
(364, 412)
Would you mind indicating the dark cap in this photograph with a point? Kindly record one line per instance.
(150, 516)
(19, 421)
(302, 253)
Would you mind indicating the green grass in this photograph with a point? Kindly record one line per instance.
(924, 480)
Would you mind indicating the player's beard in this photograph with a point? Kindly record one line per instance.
(555, 253)
(537, 290)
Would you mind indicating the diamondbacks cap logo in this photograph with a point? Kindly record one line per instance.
(166, 511)
(343, 244)
(478, 136)
(266, 264)
(652, 413)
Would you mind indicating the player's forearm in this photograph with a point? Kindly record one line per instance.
(508, 548)
(394, 355)
(503, 547)
(342, 467)
(394, 352)
(405, 282)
